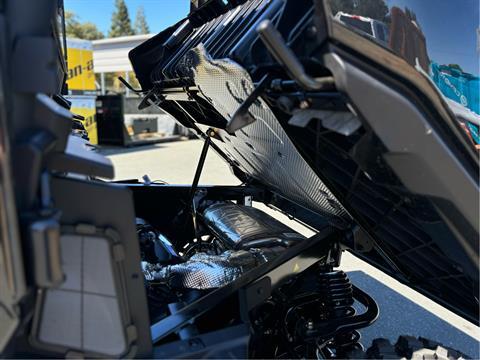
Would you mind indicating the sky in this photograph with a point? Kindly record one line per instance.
(450, 30)
(449, 25)
(159, 13)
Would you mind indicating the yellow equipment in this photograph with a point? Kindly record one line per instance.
(81, 84)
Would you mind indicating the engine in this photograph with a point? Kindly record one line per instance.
(311, 315)
(209, 72)
(234, 239)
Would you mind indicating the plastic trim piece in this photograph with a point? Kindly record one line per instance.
(416, 153)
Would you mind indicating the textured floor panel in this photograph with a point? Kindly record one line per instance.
(263, 149)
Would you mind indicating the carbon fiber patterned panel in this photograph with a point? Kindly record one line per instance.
(262, 149)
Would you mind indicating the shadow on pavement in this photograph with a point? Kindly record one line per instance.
(401, 316)
(115, 150)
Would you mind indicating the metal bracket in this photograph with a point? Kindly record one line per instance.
(341, 122)
(276, 46)
(242, 116)
(130, 87)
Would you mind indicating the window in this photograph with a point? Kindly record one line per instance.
(356, 22)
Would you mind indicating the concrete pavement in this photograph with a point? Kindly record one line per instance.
(173, 162)
(403, 311)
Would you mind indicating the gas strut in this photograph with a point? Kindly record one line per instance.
(196, 178)
(201, 163)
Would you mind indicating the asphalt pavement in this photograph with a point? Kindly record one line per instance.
(403, 311)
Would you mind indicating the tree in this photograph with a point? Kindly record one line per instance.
(121, 25)
(410, 14)
(75, 29)
(141, 25)
(345, 6)
(456, 67)
(375, 9)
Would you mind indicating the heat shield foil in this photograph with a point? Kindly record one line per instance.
(262, 149)
(239, 226)
(204, 271)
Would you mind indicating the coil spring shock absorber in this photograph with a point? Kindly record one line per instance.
(336, 292)
(322, 315)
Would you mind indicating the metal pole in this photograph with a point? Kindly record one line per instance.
(127, 92)
(102, 82)
(196, 179)
(201, 163)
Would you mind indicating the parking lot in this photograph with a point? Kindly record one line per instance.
(402, 310)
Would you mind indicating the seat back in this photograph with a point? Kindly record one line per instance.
(100, 308)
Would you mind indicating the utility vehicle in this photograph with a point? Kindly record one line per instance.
(347, 137)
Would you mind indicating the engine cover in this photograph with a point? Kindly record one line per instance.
(244, 227)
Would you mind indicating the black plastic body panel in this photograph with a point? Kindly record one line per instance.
(411, 185)
(109, 206)
(110, 120)
(229, 343)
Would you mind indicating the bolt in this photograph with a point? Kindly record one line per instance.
(311, 31)
(304, 104)
(310, 325)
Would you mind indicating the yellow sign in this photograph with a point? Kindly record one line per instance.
(80, 78)
(85, 106)
(81, 84)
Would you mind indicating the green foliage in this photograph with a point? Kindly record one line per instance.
(455, 66)
(76, 29)
(345, 6)
(121, 25)
(375, 9)
(410, 14)
(141, 25)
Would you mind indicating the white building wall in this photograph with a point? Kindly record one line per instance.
(111, 55)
